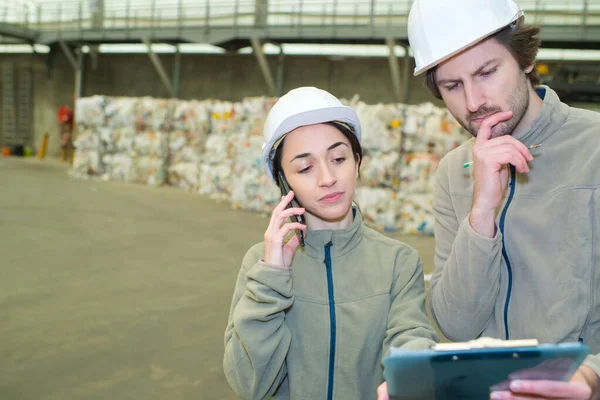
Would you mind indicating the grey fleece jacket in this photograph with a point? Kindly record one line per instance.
(320, 329)
(539, 276)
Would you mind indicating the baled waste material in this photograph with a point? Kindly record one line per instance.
(212, 147)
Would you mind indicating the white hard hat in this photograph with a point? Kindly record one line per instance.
(439, 29)
(301, 107)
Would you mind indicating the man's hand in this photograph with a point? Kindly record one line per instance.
(490, 160)
(382, 393)
(582, 386)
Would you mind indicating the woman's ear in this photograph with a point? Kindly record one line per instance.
(357, 165)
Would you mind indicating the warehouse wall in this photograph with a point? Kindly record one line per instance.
(228, 77)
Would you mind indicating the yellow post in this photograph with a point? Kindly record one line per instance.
(42, 152)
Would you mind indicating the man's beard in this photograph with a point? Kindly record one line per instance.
(518, 102)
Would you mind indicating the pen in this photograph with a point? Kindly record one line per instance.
(468, 164)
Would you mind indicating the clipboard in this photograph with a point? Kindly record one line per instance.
(471, 370)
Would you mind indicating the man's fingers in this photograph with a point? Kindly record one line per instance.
(485, 129)
(382, 393)
(502, 155)
(551, 389)
(506, 140)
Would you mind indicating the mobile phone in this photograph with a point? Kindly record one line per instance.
(285, 189)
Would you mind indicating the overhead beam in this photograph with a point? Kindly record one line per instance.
(177, 72)
(79, 74)
(159, 68)
(264, 65)
(68, 53)
(394, 68)
(280, 71)
(17, 31)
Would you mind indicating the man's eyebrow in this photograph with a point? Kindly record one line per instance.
(477, 72)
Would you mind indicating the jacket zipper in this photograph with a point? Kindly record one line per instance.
(332, 323)
(592, 280)
(513, 184)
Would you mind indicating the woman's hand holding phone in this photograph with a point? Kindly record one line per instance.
(277, 252)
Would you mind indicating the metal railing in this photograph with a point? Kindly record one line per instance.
(156, 14)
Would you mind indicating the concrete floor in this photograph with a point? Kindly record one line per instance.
(116, 291)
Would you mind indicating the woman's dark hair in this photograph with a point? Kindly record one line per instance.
(346, 131)
(520, 40)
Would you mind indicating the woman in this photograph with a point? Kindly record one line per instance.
(315, 321)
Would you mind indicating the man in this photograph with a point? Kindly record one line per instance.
(518, 207)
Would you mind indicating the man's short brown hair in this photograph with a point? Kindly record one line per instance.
(522, 41)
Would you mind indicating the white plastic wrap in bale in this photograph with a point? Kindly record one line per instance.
(224, 117)
(186, 146)
(148, 170)
(220, 147)
(117, 140)
(86, 160)
(121, 112)
(88, 139)
(247, 152)
(381, 125)
(431, 129)
(216, 180)
(415, 139)
(89, 112)
(152, 144)
(117, 167)
(417, 214)
(192, 116)
(251, 188)
(154, 114)
(253, 191)
(418, 172)
(254, 111)
(379, 169)
(185, 175)
(380, 208)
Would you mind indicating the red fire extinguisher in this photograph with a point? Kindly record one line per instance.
(65, 124)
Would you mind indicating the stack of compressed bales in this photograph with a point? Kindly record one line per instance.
(117, 138)
(429, 133)
(218, 159)
(154, 121)
(377, 194)
(191, 124)
(213, 147)
(89, 119)
(251, 188)
(86, 161)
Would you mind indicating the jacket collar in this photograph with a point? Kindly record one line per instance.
(552, 116)
(342, 240)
